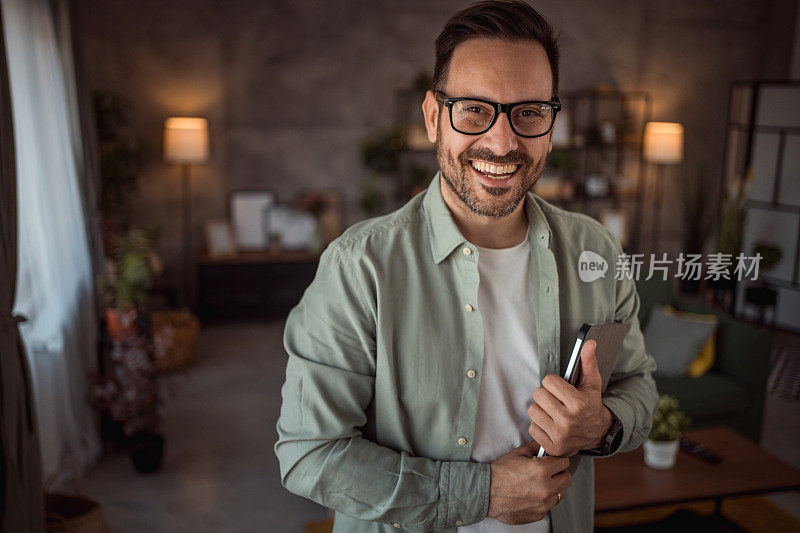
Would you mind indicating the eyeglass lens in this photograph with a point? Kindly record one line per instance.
(474, 116)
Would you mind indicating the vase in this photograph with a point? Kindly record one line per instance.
(661, 455)
(146, 450)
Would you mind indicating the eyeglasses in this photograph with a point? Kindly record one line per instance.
(473, 116)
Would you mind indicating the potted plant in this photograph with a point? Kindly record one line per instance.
(669, 424)
(697, 218)
(129, 274)
(733, 214)
(128, 390)
(381, 155)
(731, 229)
(121, 155)
(129, 395)
(771, 254)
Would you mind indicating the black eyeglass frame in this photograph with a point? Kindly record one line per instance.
(498, 109)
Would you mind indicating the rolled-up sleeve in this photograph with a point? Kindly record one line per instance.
(631, 393)
(330, 380)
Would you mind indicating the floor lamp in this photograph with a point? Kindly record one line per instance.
(663, 145)
(186, 142)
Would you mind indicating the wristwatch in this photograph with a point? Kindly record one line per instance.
(610, 442)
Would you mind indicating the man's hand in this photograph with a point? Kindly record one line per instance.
(523, 487)
(566, 419)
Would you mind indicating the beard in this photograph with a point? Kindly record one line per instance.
(457, 174)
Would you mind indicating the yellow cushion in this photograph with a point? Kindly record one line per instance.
(705, 357)
(704, 360)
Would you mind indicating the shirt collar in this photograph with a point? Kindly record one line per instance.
(445, 236)
(539, 228)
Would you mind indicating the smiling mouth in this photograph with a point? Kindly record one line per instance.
(495, 172)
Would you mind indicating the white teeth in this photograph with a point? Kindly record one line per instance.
(498, 170)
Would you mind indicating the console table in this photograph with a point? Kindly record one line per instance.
(261, 284)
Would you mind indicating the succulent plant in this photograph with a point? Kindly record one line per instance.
(668, 422)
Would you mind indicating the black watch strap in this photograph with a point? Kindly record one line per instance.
(611, 441)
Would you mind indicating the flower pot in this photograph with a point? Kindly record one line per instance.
(146, 450)
(661, 454)
(121, 324)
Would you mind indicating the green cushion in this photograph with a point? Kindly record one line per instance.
(711, 394)
(675, 341)
(652, 293)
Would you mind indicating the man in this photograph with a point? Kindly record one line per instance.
(413, 386)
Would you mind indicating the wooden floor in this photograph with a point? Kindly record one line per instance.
(754, 514)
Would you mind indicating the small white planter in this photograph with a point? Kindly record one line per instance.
(661, 454)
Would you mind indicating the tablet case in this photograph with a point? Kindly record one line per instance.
(609, 337)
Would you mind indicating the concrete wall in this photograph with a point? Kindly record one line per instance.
(292, 88)
(795, 66)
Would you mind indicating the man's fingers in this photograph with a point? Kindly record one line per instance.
(562, 481)
(590, 378)
(554, 465)
(539, 416)
(529, 449)
(552, 500)
(547, 401)
(559, 388)
(540, 436)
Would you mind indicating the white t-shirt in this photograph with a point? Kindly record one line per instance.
(510, 364)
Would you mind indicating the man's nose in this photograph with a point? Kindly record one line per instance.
(500, 138)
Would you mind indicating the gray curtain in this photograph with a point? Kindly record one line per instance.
(83, 124)
(21, 492)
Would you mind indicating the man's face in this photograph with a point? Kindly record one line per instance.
(504, 72)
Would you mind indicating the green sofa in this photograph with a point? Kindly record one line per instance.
(732, 392)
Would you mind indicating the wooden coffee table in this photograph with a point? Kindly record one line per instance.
(623, 482)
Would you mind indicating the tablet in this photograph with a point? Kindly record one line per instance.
(609, 337)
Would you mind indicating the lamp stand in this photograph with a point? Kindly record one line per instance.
(186, 204)
(657, 186)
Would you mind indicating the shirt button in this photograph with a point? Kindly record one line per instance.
(459, 523)
(469, 308)
(462, 441)
(471, 374)
(548, 289)
(467, 251)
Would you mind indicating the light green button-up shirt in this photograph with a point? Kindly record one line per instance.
(385, 352)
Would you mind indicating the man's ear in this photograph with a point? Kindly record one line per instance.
(550, 135)
(430, 111)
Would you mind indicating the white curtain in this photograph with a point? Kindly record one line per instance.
(55, 280)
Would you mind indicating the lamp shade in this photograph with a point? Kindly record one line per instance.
(663, 142)
(185, 140)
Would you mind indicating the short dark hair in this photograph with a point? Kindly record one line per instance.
(510, 20)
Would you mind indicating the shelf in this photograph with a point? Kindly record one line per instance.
(258, 257)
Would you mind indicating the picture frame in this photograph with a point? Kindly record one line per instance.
(249, 215)
(220, 240)
(294, 229)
